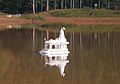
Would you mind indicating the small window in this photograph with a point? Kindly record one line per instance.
(53, 47)
(53, 58)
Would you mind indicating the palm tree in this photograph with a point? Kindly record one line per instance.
(99, 3)
(65, 4)
(41, 5)
(55, 4)
(47, 8)
(71, 4)
(61, 4)
(33, 7)
(108, 4)
(80, 2)
(91, 3)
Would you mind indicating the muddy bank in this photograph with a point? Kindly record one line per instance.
(4, 21)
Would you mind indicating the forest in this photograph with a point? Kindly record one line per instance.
(29, 6)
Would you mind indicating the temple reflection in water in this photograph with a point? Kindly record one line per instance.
(59, 61)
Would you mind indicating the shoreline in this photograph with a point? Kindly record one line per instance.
(5, 21)
(85, 20)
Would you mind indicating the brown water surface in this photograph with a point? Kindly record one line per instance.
(94, 57)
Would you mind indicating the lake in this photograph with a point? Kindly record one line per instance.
(94, 56)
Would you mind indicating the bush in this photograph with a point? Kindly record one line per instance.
(58, 24)
(30, 16)
(85, 12)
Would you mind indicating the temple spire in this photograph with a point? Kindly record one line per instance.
(62, 35)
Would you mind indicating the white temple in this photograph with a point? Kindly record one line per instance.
(52, 47)
(55, 52)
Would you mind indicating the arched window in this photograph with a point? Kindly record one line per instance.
(53, 46)
(53, 58)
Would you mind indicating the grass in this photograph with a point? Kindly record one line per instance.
(85, 13)
(31, 16)
(1, 13)
(48, 24)
(74, 27)
(58, 24)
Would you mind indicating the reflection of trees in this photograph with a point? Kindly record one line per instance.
(94, 58)
(14, 40)
(5, 60)
(24, 68)
(99, 51)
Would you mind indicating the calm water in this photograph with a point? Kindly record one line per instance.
(94, 57)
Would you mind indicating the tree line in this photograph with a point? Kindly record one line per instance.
(28, 6)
